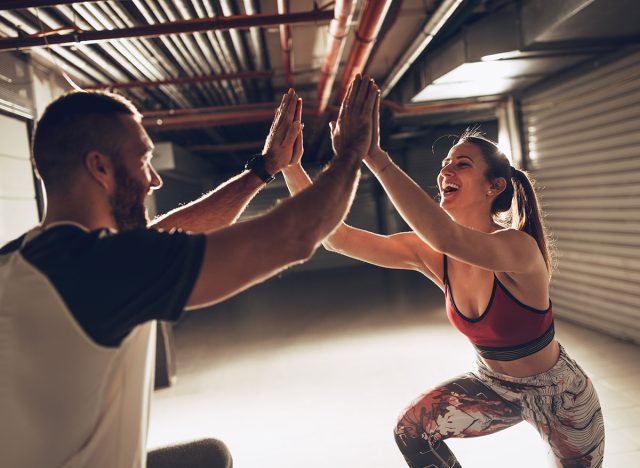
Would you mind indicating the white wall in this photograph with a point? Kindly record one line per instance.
(18, 208)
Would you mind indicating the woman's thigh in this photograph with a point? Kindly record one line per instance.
(460, 407)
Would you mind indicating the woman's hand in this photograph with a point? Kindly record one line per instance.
(279, 147)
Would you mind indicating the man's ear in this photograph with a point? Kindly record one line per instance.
(100, 168)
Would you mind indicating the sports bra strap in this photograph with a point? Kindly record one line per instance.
(445, 278)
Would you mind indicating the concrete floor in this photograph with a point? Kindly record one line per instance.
(311, 370)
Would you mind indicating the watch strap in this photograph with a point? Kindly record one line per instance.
(257, 165)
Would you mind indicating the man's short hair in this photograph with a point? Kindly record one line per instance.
(73, 125)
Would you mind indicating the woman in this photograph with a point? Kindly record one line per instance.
(496, 285)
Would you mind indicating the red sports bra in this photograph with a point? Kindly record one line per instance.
(507, 329)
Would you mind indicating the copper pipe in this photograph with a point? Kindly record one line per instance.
(16, 4)
(227, 148)
(373, 15)
(212, 109)
(285, 43)
(337, 32)
(186, 80)
(207, 120)
(174, 27)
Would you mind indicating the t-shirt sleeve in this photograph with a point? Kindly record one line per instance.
(114, 282)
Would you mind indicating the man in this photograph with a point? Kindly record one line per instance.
(78, 293)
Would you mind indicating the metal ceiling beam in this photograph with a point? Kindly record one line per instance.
(16, 4)
(227, 148)
(175, 27)
(183, 122)
(211, 109)
(185, 80)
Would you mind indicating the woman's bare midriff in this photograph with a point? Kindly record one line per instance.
(528, 366)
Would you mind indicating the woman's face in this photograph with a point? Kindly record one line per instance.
(461, 181)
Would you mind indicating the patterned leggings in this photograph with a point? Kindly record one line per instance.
(560, 403)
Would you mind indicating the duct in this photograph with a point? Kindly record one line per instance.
(285, 44)
(338, 30)
(210, 109)
(517, 46)
(371, 20)
(433, 25)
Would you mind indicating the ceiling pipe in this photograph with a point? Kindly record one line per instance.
(371, 20)
(338, 30)
(205, 120)
(285, 44)
(219, 109)
(17, 4)
(227, 148)
(187, 80)
(428, 31)
(175, 27)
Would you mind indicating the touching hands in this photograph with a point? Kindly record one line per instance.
(284, 141)
(353, 131)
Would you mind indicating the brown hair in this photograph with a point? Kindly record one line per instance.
(73, 125)
(518, 200)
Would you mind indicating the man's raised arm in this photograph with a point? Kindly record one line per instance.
(225, 204)
(247, 253)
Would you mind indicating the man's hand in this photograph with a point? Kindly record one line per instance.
(352, 132)
(285, 131)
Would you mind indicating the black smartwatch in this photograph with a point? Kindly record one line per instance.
(257, 166)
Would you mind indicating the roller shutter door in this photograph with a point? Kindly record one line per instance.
(582, 139)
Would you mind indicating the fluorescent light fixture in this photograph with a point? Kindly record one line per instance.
(477, 79)
(502, 56)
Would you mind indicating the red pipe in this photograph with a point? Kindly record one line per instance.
(337, 32)
(285, 43)
(17, 4)
(174, 27)
(186, 80)
(211, 109)
(373, 15)
(206, 120)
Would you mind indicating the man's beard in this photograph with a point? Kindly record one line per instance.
(127, 203)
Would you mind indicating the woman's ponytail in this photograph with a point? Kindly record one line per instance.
(526, 214)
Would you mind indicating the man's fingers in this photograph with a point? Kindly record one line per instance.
(292, 133)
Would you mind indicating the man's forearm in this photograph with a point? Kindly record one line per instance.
(217, 209)
(316, 211)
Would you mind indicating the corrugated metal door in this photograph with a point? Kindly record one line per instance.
(582, 138)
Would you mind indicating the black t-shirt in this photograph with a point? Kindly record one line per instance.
(112, 282)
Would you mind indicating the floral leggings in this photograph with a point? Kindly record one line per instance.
(561, 404)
